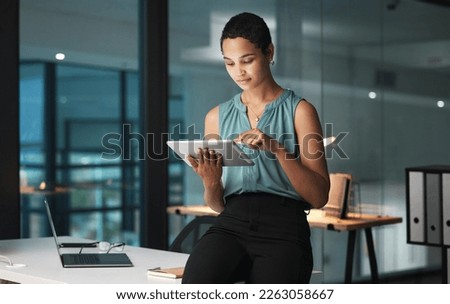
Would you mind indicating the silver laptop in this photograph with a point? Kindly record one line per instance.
(80, 260)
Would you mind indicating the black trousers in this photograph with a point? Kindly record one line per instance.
(258, 238)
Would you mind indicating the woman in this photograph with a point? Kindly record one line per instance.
(261, 234)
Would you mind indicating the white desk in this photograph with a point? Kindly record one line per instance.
(44, 265)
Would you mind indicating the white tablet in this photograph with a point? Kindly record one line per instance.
(232, 154)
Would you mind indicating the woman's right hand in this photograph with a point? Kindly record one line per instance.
(208, 165)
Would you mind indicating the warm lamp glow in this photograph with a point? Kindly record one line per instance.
(328, 140)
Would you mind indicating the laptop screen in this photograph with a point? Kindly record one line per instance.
(52, 226)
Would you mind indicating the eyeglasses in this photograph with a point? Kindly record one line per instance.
(105, 246)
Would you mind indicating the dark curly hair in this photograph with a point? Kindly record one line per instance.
(248, 26)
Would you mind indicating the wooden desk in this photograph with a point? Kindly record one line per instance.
(43, 265)
(317, 219)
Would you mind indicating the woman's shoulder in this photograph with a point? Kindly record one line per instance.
(288, 98)
(214, 116)
(305, 107)
(213, 113)
(231, 102)
(222, 105)
(306, 115)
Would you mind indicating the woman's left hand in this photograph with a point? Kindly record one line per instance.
(256, 139)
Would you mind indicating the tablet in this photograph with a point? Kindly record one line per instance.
(232, 154)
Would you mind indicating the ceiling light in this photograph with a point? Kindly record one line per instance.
(60, 56)
(440, 104)
(372, 95)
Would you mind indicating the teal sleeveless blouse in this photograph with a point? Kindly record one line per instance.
(277, 121)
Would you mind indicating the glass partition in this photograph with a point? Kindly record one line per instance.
(79, 105)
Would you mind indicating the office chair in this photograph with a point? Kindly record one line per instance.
(191, 234)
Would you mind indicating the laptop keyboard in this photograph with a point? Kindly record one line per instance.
(84, 259)
(96, 260)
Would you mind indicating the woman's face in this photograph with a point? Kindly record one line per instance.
(246, 64)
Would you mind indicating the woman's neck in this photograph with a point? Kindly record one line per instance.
(261, 96)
